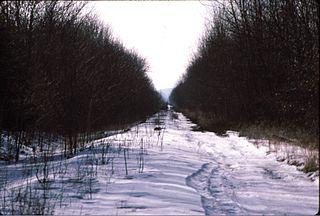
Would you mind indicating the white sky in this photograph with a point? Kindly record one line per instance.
(166, 33)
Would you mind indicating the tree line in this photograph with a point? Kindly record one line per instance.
(258, 63)
(63, 74)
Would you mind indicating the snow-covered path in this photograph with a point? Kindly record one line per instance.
(164, 167)
(238, 178)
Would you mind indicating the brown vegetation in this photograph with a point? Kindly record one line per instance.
(258, 64)
(63, 74)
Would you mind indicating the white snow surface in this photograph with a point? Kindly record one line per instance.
(171, 170)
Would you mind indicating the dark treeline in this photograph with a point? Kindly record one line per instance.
(63, 74)
(257, 64)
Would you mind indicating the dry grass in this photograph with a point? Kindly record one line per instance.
(312, 164)
(208, 122)
(279, 134)
(275, 134)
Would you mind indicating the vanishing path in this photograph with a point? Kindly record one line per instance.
(164, 167)
(192, 172)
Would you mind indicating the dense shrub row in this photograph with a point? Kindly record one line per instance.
(62, 73)
(257, 64)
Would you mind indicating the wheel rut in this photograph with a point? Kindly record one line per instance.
(215, 189)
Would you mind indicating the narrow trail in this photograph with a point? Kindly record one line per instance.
(163, 167)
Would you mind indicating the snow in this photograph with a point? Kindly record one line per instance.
(162, 167)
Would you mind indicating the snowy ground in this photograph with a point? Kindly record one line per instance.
(161, 167)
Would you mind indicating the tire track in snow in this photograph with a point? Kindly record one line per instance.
(217, 195)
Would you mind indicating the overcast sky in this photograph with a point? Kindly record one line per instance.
(166, 33)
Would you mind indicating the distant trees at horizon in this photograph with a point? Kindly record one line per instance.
(257, 63)
(63, 73)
